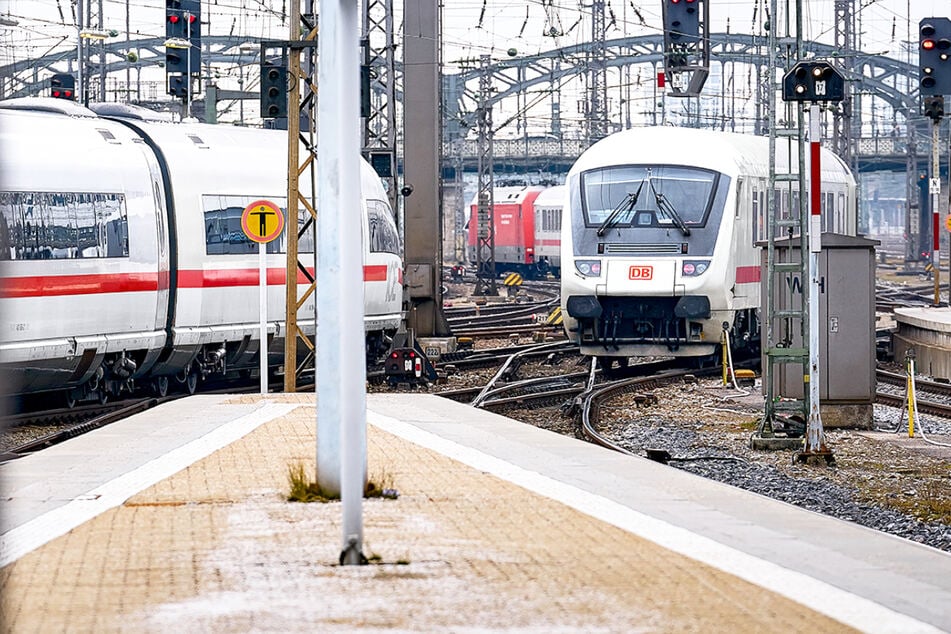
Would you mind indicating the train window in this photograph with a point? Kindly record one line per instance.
(382, 233)
(47, 226)
(688, 191)
(757, 218)
(223, 232)
(840, 214)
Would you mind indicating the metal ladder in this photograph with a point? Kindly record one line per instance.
(785, 306)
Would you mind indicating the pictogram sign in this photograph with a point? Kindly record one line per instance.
(262, 221)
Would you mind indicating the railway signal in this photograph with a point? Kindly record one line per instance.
(934, 108)
(182, 42)
(63, 86)
(934, 56)
(813, 81)
(682, 22)
(273, 90)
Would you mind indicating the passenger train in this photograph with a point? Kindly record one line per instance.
(122, 256)
(659, 234)
(527, 225)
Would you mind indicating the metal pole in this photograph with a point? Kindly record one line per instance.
(341, 370)
(80, 53)
(815, 443)
(935, 190)
(262, 311)
(188, 65)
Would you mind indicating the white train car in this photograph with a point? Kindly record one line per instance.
(548, 210)
(659, 237)
(122, 257)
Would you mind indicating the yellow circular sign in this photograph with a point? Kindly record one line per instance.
(262, 221)
(947, 222)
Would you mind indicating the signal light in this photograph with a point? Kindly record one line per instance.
(173, 19)
(62, 86)
(813, 81)
(934, 40)
(934, 108)
(273, 90)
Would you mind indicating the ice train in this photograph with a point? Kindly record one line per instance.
(122, 258)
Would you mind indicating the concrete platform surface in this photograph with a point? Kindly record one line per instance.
(177, 520)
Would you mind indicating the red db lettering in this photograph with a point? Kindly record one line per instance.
(641, 272)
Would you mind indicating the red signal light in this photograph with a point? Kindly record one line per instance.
(173, 19)
(674, 1)
(192, 17)
(57, 93)
(68, 94)
(927, 44)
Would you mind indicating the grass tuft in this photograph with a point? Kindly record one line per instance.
(303, 490)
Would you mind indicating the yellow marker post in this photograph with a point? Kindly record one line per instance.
(723, 353)
(262, 221)
(910, 389)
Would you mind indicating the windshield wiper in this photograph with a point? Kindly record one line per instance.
(626, 205)
(668, 210)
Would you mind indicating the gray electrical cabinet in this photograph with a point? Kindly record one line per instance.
(847, 328)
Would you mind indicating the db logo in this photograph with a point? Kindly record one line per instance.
(640, 272)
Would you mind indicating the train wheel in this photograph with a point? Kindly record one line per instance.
(160, 386)
(191, 381)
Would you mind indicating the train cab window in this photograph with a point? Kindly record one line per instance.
(381, 229)
(55, 226)
(674, 194)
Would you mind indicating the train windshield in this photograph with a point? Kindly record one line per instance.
(648, 196)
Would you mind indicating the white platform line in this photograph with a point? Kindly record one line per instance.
(39, 531)
(816, 595)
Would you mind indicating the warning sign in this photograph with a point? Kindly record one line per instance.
(262, 221)
(947, 222)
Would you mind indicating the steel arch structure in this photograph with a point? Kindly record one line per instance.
(874, 75)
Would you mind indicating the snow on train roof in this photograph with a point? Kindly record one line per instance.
(726, 152)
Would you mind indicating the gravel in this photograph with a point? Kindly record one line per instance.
(883, 481)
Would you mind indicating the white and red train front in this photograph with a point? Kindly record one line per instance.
(659, 239)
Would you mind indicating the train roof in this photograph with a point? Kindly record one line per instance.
(510, 195)
(206, 148)
(727, 152)
(552, 197)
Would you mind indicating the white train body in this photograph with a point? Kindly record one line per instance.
(659, 275)
(123, 258)
(548, 212)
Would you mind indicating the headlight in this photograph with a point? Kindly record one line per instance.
(693, 268)
(588, 268)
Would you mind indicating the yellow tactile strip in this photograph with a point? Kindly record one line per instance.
(215, 548)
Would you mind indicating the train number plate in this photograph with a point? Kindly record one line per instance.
(640, 272)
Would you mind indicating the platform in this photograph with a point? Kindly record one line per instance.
(175, 520)
(927, 331)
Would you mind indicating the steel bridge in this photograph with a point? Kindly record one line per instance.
(890, 84)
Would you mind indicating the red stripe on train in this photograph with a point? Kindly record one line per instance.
(59, 285)
(747, 274)
(56, 285)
